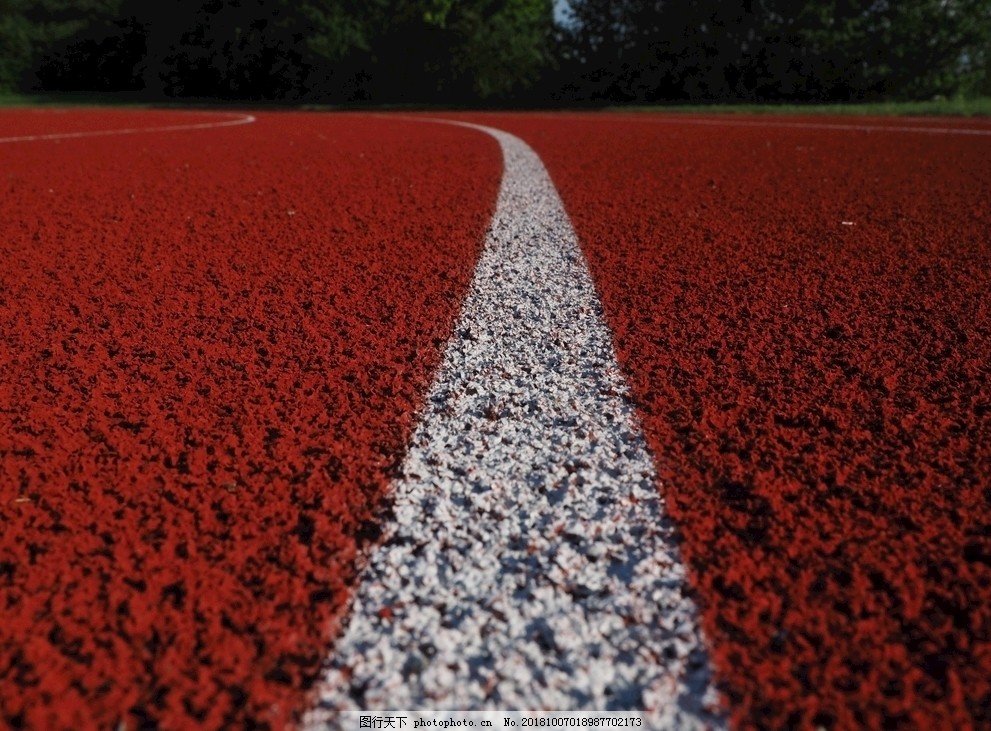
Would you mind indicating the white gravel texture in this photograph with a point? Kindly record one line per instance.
(529, 564)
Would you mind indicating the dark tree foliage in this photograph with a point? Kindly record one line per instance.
(455, 50)
(761, 50)
(649, 50)
(315, 50)
(500, 51)
(224, 49)
(31, 31)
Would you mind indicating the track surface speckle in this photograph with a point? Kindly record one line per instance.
(213, 345)
(816, 394)
(529, 565)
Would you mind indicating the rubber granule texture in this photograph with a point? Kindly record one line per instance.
(804, 318)
(213, 347)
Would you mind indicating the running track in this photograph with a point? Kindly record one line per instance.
(217, 338)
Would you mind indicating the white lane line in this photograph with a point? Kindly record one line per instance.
(237, 120)
(529, 564)
(675, 118)
(827, 125)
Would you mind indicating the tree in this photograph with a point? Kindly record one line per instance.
(17, 39)
(29, 29)
(936, 47)
(456, 50)
(501, 47)
(249, 49)
(647, 50)
(863, 49)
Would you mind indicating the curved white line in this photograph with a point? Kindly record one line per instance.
(662, 117)
(529, 564)
(238, 120)
(827, 126)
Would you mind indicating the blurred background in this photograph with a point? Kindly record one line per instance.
(498, 52)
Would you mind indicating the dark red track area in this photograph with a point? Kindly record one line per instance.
(34, 122)
(816, 394)
(212, 347)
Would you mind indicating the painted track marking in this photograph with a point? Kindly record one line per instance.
(529, 564)
(238, 120)
(672, 118)
(824, 126)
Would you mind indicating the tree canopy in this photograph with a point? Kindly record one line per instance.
(760, 50)
(499, 51)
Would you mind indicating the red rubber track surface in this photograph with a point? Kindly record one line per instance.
(213, 344)
(816, 395)
(68, 121)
